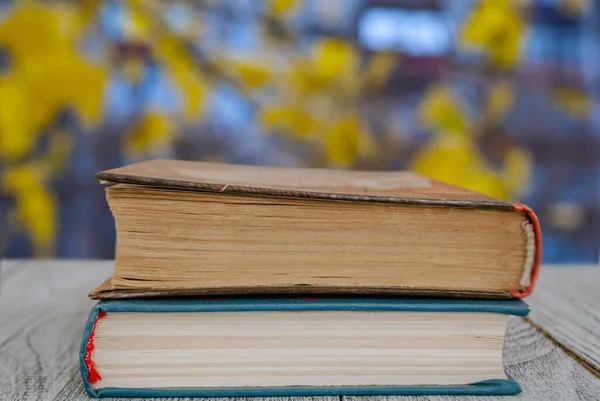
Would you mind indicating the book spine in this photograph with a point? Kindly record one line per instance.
(89, 373)
(534, 269)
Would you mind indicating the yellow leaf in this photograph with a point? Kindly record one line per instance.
(153, 132)
(138, 27)
(290, 120)
(456, 160)
(441, 110)
(43, 42)
(303, 79)
(517, 172)
(496, 26)
(335, 59)
(36, 29)
(195, 89)
(380, 66)
(501, 97)
(85, 90)
(283, 7)
(345, 140)
(35, 205)
(16, 134)
(188, 78)
(253, 75)
(59, 149)
(573, 101)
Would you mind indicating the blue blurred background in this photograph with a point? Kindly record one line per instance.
(498, 96)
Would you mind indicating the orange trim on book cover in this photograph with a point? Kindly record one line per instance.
(519, 207)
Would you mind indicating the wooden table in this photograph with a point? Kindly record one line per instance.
(554, 353)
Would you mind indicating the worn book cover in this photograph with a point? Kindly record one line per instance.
(388, 233)
(117, 348)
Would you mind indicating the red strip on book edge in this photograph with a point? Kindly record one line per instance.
(93, 375)
(519, 207)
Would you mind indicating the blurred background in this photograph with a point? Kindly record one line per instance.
(498, 96)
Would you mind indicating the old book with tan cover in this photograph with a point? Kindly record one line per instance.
(192, 228)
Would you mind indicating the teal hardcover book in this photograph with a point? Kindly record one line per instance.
(296, 346)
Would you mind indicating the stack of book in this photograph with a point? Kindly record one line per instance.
(242, 280)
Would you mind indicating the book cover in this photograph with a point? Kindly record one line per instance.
(489, 387)
(354, 186)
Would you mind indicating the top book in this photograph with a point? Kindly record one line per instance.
(193, 228)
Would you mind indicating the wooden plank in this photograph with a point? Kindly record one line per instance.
(544, 371)
(43, 310)
(43, 306)
(566, 306)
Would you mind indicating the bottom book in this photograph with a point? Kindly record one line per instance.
(300, 346)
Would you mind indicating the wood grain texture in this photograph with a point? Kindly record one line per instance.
(42, 310)
(44, 306)
(566, 306)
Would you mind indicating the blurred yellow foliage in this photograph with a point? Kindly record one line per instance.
(299, 123)
(453, 155)
(517, 172)
(378, 70)
(497, 27)
(318, 91)
(335, 60)
(35, 206)
(46, 66)
(575, 102)
(192, 83)
(333, 66)
(345, 140)
(59, 149)
(152, 132)
(440, 109)
(138, 28)
(501, 97)
(314, 101)
(173, 54)
(253, 75)
(456, 160)
(17, 132)
(283, 7)
(45, 75)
